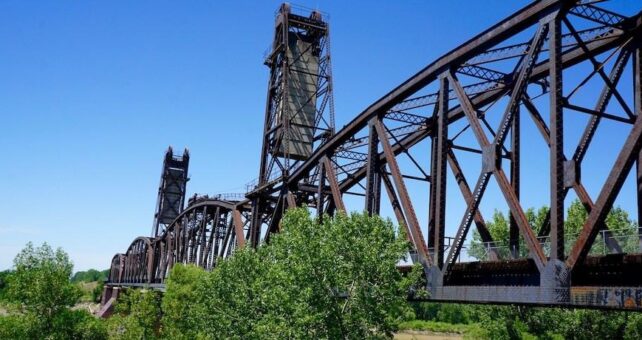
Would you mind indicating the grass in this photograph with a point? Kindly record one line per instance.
(87, 289)
(470, 330)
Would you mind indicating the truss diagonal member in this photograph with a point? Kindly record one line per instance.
(464, 226)
(406, 204)
(469, 111)
(484, 233)
(238, 227)
(407, 152)
(581, 192)
(394, 201)
(604, 202)
(600, 106)
(334, 186)
(518, 213)
(598, 68)
(522, 82)
(505, 186)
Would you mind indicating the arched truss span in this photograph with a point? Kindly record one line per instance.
(203, 233)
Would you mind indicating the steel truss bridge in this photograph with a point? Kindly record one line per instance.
(563, 74)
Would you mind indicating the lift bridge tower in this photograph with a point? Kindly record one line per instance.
(171, 190)
(299, 113)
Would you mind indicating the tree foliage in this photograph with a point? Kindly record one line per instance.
(137, 316)
(180, 300)
(90, 275)
(41, 296)
(337, 279)
(4, 277)
(40, 283)
(522, 322)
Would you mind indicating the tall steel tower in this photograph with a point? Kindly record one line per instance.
(299, 114)
(171, 190)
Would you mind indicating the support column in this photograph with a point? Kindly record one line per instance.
(439, 181)
(256, 222)
(320, 195)
(373, 175)
(433, 197)
(637, 98)
(514, 180)
(556, 141)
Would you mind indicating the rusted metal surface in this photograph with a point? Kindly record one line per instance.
(468, 103)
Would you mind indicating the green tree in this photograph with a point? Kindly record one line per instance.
(337, 279)
(40, 285)
(4, 278)
(97, 292)
(179, 300)
(622, 229)
(137, 316)
(42, 295)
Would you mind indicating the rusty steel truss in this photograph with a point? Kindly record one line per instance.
(462, 120)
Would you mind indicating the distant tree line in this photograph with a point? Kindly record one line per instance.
(90, 276)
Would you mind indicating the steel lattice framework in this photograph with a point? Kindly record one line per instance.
(547, 64)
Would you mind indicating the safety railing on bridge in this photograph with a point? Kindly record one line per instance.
(626, 240)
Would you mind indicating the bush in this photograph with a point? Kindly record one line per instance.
(13, 327)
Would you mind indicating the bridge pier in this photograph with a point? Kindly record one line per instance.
(109, 296)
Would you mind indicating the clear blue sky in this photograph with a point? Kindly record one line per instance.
(92, 93)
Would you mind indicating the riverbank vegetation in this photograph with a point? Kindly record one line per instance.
(335, 279)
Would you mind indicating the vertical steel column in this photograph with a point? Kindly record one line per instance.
(637, 98)
(556, 140)
(320, 189)
(440, 167)
(256, 221)
(433, 193)
(238, 227)
(373, 175)
(514, 180)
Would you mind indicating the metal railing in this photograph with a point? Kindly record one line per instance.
(617, 241)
